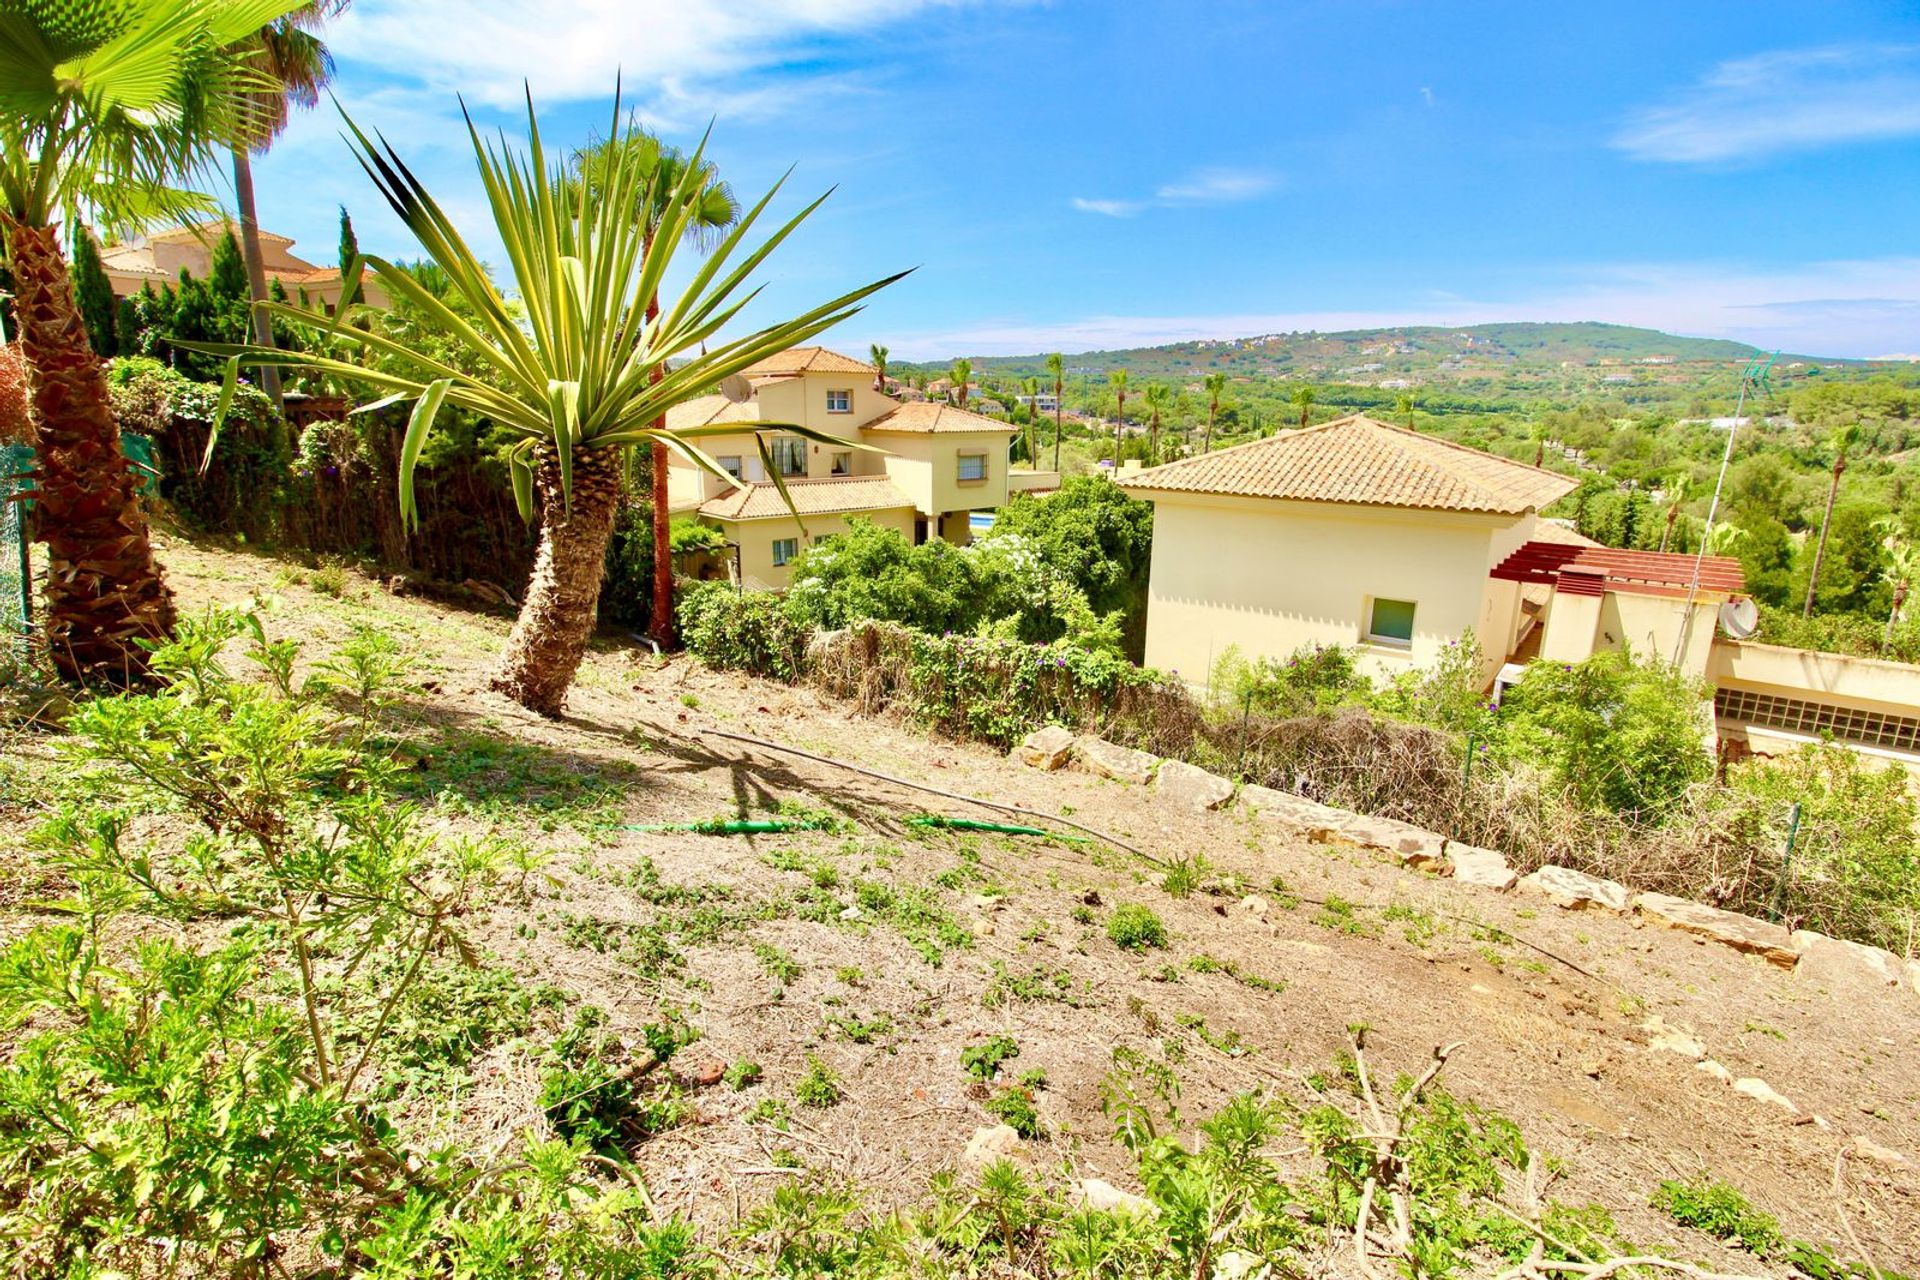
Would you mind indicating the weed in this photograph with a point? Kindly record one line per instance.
(1203, 963)
(689, 701)
(982, 1061)
(1342, 916)
(851, 975)
(1227, 1042)
(771, 1111)
(1134, 927)
(818, 1086)
(742, 1074)
(1036, 984)
(779, 964)
(1718, 1209)
(1013, 1106)
(861, 1030)
(1419, 927)
(1185, 875)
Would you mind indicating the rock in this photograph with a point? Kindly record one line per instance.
(1576, 890)
(1715, 1070)
(1122, 764)
(1839, 964)
(706, 1074)
(1409, 845)
(1913, 976)
(1319, 822)
(1049, 748)
(1104, 1197)
(1754, 1087)
(1482, 867)
(1253, 905)
(851, 913)
(1865, 1149)
(1238, 1264)
(999, 1142)
(1665, 1039)
(1743, 933)
(988, 901)
(1192, 788)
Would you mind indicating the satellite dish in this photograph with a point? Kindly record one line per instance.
(1739, 618)
(736, 388)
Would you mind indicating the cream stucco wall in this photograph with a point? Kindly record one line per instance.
(1866, 684)
(926, 467)
(756, 539)
(1268, 577)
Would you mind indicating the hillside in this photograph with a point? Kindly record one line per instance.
(1427, 353)
(860, 971)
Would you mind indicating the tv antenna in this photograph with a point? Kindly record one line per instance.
(1753, 378)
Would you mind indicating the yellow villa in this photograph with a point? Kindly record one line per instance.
(159, 257)
(1361, 533)
(927, 466)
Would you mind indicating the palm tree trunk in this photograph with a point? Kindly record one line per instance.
(1673, 513)
(104, 589)
(563, 595)
(256, 269)
(1057, 408)
(1206, 441)
(1820, 550)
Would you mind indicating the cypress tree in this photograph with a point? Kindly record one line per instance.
(349, 250)
(93, 293)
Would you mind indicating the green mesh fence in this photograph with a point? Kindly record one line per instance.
(16, 574)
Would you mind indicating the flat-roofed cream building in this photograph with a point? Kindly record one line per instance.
(926, 468)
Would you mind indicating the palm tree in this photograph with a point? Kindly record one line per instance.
(290, 55)
(575, 372)
(1903, 565)
(1539, 443)
(1057, 367)
(1677, 486)
(1303, 397)
(1118, 381)
(879, 356)
(712, 213)
(961, 374)
(1215, 383)
(1157, 395)
(102, 115)
(1404, 404)
(1839, 440)
(1723, 539)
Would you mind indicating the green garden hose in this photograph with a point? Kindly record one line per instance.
(975, 824)
(736, 827)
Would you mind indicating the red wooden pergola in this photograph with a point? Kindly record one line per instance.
(1592, 571)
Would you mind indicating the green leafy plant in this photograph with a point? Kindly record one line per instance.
(1134, 927)
(818, 1086)
(982, 1061)
(1721, 1211)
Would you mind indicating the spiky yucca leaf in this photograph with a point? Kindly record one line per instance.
(572, 370)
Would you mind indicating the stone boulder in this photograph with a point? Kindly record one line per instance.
(1576, 890)
(1049, 748)
(1483, 868)
(999, 1142)
(1318, 822)
(1104, 1197)
(1190, 787)
(1743, 933)
(1841, 966)
(1409, 845)
(1760, 1091)
(1109, 760)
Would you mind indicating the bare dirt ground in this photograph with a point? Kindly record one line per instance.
(1421, 960)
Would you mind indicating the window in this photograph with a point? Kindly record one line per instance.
(1391, 622)
(843, 464)
(790, 455)
(730, 463)
(784, 550)
(839, 402)
(973, 467)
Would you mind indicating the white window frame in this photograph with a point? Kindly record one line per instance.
(842, 463)
(960, 462)
(737, 469)
(1387, 641)
(845, 396)
(785, 551)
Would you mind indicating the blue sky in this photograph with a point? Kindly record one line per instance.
(1071, 175)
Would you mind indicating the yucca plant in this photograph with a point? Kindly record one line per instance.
(106, 110)
(579, 372)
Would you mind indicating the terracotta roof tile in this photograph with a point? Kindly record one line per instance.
(707, 411)
(810, 498)
(1358, 460)
(809, 360)
(924, 417)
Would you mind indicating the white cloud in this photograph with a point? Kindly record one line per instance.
(1856, 308)
(1202, 186)
(1214, 186)
(677, 54)
(1108, 208)
(1426, 96)
(1794, 100)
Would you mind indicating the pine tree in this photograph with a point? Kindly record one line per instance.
(93, 293)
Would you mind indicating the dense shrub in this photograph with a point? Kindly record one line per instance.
(746, 632)
(244, 487)
(1098, 539)
(1852, 633)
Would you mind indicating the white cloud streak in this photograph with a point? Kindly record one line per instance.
(1856, 309)
(1108, 208)
(1202, 186)
(1793, 100)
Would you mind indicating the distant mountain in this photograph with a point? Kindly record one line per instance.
(1426, 353)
